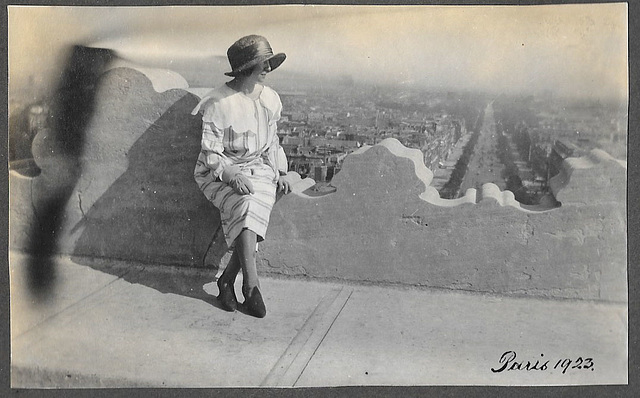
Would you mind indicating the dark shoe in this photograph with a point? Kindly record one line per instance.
(227, 296)
(253, 303)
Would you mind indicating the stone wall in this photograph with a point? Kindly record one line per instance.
(385, 223)
(136, 200)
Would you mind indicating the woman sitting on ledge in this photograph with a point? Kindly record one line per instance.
(241, 162)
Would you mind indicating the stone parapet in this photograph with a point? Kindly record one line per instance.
(385, 223)
(136, 200)
(578, 183)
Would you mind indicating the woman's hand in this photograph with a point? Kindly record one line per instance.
(241, 184)
(285, 184)
(236, 180)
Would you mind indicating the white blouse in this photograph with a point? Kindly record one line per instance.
(239, 130)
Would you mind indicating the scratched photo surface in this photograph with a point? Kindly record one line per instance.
(457, 214)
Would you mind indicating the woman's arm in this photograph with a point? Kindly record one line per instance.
(221, 167)
(285, 182)
(279, 157)
(213, 148)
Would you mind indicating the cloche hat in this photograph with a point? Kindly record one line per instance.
(249, 51)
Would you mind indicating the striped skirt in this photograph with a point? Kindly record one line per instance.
(238, 212)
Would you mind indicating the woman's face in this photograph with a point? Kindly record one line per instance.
(259, 72)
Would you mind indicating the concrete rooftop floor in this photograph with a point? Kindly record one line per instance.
(137, 327)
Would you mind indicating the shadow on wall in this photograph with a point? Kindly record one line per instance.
(62, 146)
(154, 212)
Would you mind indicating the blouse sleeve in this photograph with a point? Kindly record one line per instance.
(275, 111)
(212, 144)
(280, 158)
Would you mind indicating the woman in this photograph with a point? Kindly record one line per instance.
(241, 162)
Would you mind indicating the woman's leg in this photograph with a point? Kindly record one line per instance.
(246, 246)
(227, 296)
(233, 267)
(246, 249)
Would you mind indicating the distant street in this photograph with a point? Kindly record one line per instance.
(484, 166)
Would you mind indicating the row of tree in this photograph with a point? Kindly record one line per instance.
(511, 174)
(451, 189)
(512, 121)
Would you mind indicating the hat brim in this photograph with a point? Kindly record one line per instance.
(274, 61)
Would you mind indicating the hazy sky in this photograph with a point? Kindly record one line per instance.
(571, 49)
